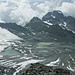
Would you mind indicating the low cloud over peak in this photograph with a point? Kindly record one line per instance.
(21, 11)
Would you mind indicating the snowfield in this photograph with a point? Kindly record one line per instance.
(6, 36)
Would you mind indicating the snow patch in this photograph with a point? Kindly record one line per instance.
(1, 56)
(47, 23)
(5, 37)
(5, 34)
(22, 33)
(23, 64)
(60, 24)
(4, 44)
(73, 32)
(71, 57)
(69, 68)
(62, 64)
(53, 16)
(54, 62)
(2, 48)
(33, 33)
(65, 24)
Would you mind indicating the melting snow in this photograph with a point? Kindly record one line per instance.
(73, 31)
(1, 56)
(33, 33)
(47, 23)
(5, 34)
(62, 64)
(71, 57)
(54, 62)
(61, 25)
(3, 44)
(69, 68)
(65, 24)
(2, 48)
(53, 16)
(23, 64)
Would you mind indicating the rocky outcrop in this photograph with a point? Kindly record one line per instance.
(40, 69)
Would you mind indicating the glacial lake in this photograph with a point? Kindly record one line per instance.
(9, 51)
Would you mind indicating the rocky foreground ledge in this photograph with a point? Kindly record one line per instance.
(40, 69)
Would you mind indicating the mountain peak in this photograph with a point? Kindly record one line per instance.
(35, 19)
(58, 11)
(53, 15)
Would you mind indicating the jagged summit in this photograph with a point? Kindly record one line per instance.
(35, 19)
(54, 14)
(57, 17)
(57, 11)
(54, 17)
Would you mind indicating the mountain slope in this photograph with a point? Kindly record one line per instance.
(16, 29)
(46, 32)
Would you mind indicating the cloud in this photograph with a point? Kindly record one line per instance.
(22, 11)
(67, 8)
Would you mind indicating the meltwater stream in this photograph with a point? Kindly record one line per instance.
(21, 53)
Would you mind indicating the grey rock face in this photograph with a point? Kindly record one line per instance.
(45, 32)
(57, 17)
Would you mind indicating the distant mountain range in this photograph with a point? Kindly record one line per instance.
(54, 26)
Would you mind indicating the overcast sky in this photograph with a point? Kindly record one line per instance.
(21, 11)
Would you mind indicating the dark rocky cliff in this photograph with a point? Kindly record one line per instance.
(40, 69)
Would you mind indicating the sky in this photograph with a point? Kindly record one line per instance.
(22, 11)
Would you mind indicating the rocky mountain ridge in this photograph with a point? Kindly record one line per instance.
(57, 17)
(54, 26)
(49, 29)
